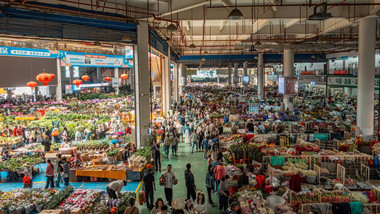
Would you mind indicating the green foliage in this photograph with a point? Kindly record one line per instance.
(59, 197)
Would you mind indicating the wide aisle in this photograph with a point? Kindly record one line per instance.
(198, 167)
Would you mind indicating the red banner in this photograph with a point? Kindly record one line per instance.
(340, 72)
(307, 72)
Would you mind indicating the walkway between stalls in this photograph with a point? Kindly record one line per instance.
(198, 167)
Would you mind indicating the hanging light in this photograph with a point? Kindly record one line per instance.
(258, 43)
(31, 84)
(44, 78)
(235, 14)
(206, 52)
(124, 76)
(252, 49)
(171, 28)
(192, 46)
(77, 82)
(85, 78)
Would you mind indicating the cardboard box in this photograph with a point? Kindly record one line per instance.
(51, 212)
(76, 211)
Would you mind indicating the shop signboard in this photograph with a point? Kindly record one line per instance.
(343, 81)
(254, 108)
(340, 72)
(28, 52)
(307, 72)
(236, 79)
(68, 89)
(94, 60)
(288, 85)
(115, 81)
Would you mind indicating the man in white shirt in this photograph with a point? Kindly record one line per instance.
(169, 181)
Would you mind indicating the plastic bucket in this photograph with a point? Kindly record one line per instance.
(311, 179)
(275, 200)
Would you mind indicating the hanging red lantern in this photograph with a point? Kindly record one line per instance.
(52, 76)
(77, 82)
(124, 76)
(85, 78)
(108, 79)
(31, 84)
(44, 78)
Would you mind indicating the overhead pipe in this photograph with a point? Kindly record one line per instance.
(302, 5)
(131, 11)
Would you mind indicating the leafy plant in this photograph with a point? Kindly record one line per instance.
(113, 153)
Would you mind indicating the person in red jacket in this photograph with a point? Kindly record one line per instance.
(49, 175)
(295, 182)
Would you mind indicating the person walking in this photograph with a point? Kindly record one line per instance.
(49, 175)
(169, 180)
(157, 155)
(114, 188)
(224, 192)
(167, 142)
(66, 171)
(149, 186)
(209, 183)
(59, 173)
(194, 140)
(174, 144)
(190, 185)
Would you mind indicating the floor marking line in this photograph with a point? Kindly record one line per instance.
(138, 187)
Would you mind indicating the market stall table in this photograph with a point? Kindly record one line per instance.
(103, 173)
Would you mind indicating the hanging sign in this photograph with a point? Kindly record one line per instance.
(28, 52)
(254, 108)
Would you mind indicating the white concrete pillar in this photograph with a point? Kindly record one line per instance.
(236, 72)
(99, 74)
(116, 75)
(166, 90)
(260, 77)
(175, 81)
(288, 72)
(182, 77)
(9, 94)
(58, 92)
(366, 76)
(229, 81)
(245, 69)
(142, 86)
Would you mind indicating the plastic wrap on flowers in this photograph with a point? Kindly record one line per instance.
(84, 199)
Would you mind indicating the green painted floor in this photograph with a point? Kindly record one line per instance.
(198, 167)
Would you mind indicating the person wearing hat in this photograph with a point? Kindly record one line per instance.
(114, 188)
(177, 206)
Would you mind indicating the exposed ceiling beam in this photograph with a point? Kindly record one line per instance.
(222, 24)
(188, 7)
(273, 3)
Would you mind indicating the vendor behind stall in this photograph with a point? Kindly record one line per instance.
(114, 188)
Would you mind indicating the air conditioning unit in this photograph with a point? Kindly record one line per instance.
(323, 15)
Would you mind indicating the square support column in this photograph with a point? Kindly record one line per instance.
(142, 86)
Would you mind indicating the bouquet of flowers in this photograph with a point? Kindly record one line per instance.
(82, 198)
